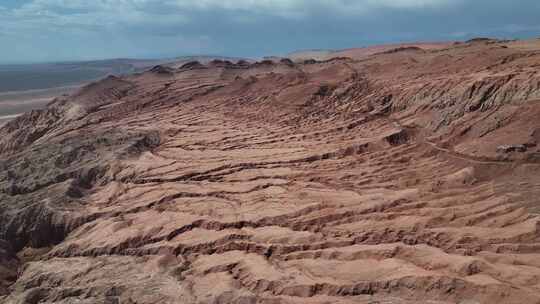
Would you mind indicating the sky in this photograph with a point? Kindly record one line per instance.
(60, 30)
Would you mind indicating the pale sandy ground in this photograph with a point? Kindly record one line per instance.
(13, 104)
(4, 119)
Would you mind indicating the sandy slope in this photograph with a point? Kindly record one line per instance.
(13, 104)
(379, 180)
(4, 119)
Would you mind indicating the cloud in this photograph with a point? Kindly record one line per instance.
(50, 14)
(277, 5)
(131, 9)
(303, 8)
(412, 3)
(98, 12)
(71, 29)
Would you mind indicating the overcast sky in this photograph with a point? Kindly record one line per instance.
(55, 30)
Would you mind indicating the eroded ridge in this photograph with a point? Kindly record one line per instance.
(406, 176)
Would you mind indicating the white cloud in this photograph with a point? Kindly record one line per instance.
(410, 3)
(110, 13)
(99, 27)
(67, 15)
(303, 4)
(297, 8)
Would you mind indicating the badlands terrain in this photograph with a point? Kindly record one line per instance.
(403, 174)
(26, 87)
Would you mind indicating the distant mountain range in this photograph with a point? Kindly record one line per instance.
(22, 77)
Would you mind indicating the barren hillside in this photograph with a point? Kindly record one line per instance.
(406, 175)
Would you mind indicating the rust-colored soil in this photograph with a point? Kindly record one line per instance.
(409, 175)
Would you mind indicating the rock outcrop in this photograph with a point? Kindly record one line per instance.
(381, 179)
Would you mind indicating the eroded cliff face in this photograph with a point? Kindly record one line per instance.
(407, 176)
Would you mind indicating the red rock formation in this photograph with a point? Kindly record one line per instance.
(377, 179)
